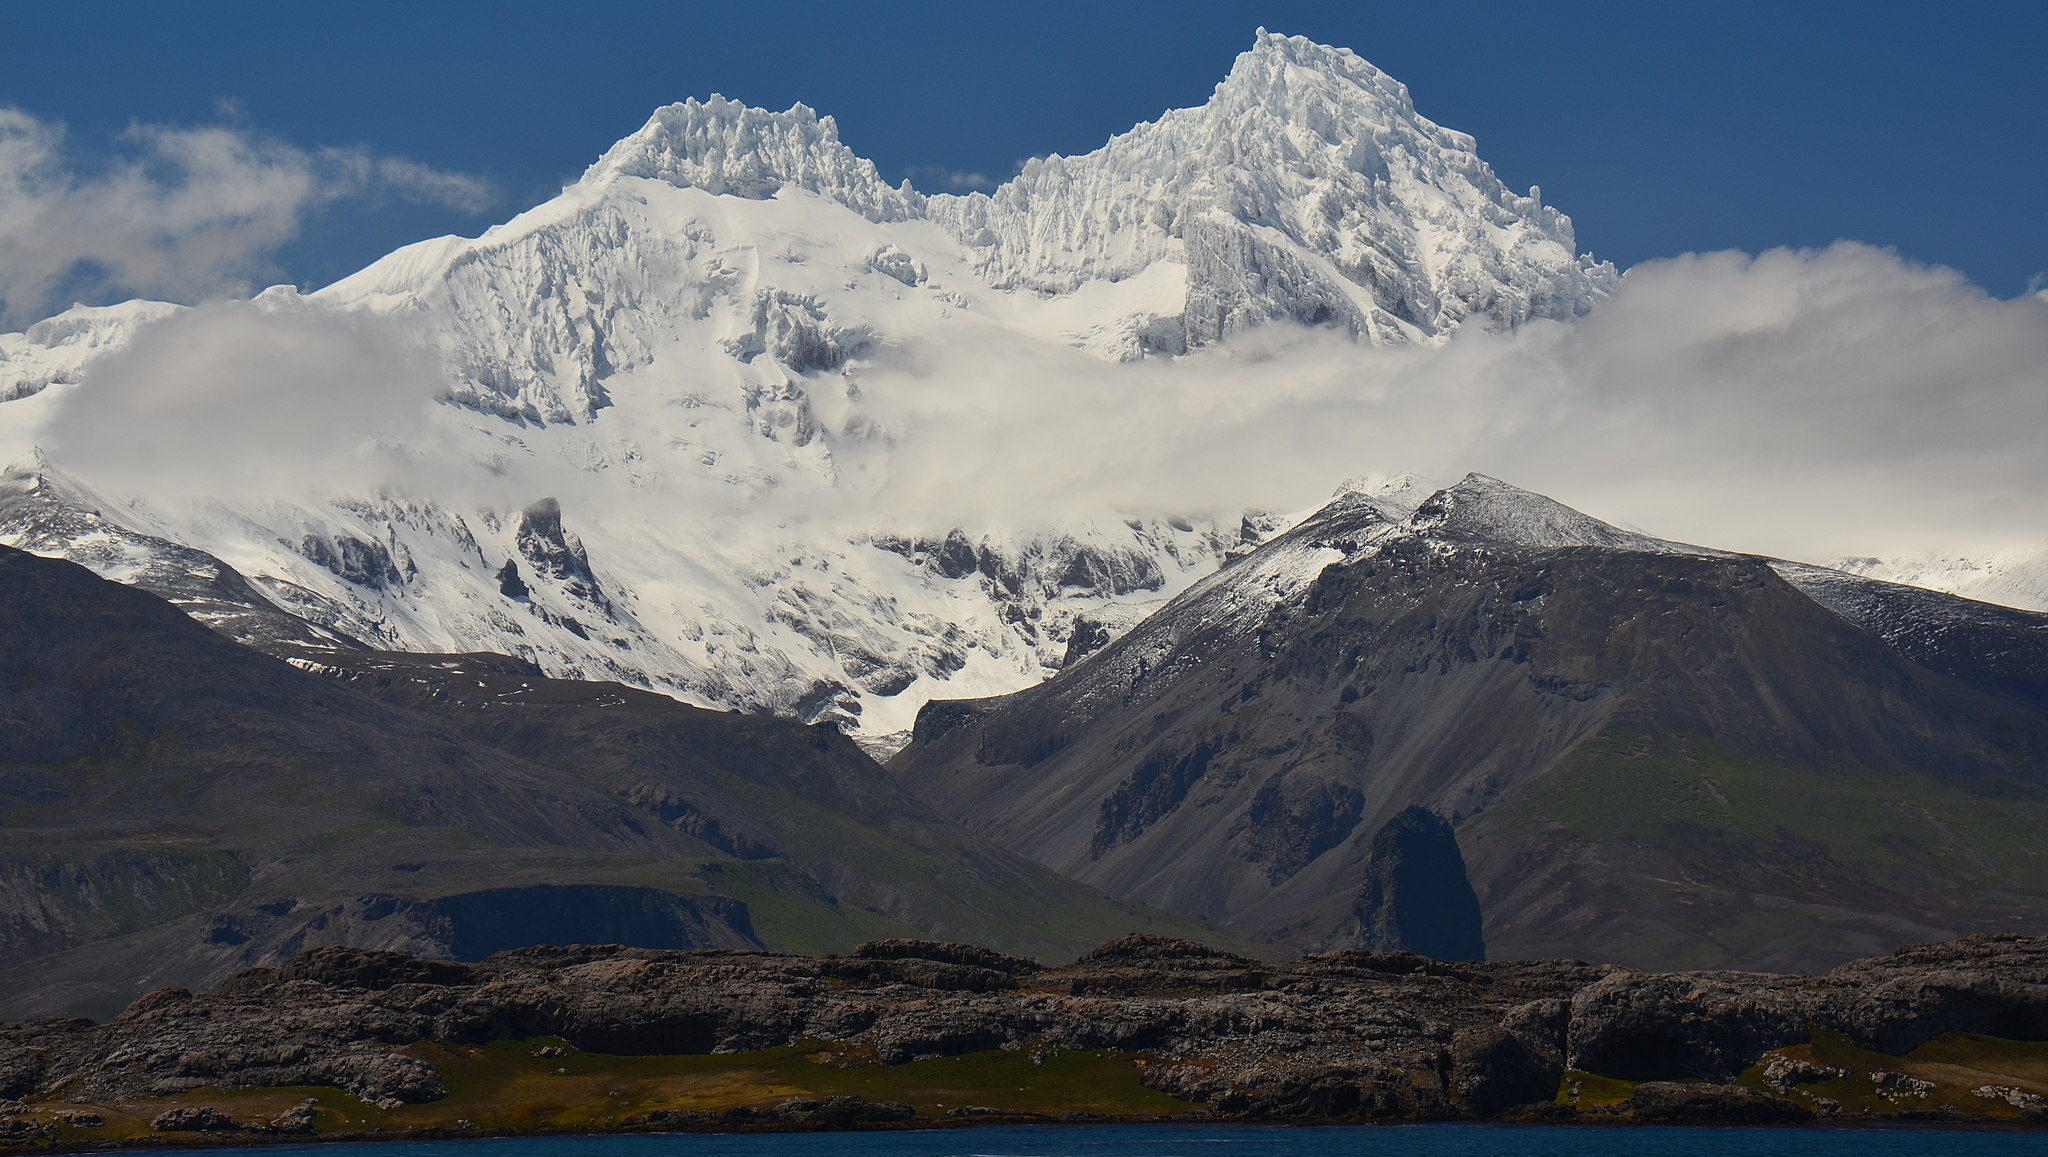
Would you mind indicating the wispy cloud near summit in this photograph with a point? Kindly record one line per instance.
(940, 179)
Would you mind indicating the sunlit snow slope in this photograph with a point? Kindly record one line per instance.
(2017, 578)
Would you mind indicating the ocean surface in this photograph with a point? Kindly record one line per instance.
(1225, 1141)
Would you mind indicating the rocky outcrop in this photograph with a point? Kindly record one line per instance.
(1294, 819)
(1156, 787)
(1673, 1103)
(350, 559)
(557, 554)
(1349, 1035)
(795, 330)
(1416, 896)
(510, 584)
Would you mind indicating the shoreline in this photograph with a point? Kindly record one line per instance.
(228, 1142)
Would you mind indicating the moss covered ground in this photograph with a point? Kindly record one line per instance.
(542, 1085)
(1909, 832)
(1711, 858)
(1953, 1067)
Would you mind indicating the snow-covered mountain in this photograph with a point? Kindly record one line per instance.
(57, 350)
(669, 399)
(1308, 188)
(2014, 578)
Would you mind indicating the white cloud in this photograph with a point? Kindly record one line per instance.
(938, 178)
(1804, 402)
(1808, 403)
(178, 212)
(238, 399)
(428, 185)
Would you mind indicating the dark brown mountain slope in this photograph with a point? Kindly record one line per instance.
(174, 806)
(1651, 754)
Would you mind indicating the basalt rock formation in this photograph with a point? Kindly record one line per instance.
(1416, 896)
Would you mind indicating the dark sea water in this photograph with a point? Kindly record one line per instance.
(1226, 1141)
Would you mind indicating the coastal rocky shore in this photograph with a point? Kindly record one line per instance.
(1337, 1036)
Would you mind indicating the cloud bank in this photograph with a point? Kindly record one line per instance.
(177, 212)
(234, 399)
(1806, 403)
(1809, 404)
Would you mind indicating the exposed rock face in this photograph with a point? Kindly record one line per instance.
(199, 1120)
(365, 564)
(1673, 1103)
(1340, 1035)
(509, 583)
(1294, 819)
(556, 554)
(795, 329)
(1416, 897)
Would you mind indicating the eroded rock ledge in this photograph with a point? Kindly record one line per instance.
(1331, 1036)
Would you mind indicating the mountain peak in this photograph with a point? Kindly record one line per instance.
(1307, 189)
(1484, 508)
(1398, 493)
(1272, 52)
(685, 329)
(723, 146)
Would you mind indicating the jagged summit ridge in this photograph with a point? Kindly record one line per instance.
(725, 147)
(1309, 189)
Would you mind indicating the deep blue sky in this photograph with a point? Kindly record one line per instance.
(1660, 127)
